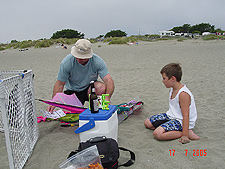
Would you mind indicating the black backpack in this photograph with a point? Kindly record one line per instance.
(108, 151)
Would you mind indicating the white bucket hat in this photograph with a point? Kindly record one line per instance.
(82, 49)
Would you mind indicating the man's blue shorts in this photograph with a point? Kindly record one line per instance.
(165, 122)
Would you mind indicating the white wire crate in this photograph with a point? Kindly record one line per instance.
(18, 118)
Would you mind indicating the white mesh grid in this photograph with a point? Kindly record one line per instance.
(18, 116)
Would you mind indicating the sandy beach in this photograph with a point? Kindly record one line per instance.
(135, 70)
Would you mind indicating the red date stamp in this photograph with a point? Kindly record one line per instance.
(194, 152)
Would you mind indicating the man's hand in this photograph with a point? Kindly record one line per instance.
(109, 86)
(50, 108)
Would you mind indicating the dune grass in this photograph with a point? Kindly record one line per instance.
(41, 43)
(213, 37)
(44, 43)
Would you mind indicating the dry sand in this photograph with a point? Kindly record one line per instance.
(135, 70)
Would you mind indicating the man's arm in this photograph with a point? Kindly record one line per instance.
(58, 87)
(109, 85)
(185, 101)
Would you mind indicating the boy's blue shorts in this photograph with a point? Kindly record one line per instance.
(165, 122)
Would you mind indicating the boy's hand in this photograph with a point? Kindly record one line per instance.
(184, 140)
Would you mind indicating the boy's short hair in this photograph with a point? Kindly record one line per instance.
(172, 69)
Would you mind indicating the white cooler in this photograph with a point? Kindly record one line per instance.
(103, 123)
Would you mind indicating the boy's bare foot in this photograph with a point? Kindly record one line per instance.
(192, 135)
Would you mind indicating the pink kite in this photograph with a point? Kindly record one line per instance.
(67, 102)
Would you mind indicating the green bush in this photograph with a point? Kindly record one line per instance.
(118, 41)
(2, 48)
(42, 44)
(67, 33)
(25, 44)
(51, 42)
(57, 41)
(107, 40)
(70, 41)
(93, 40)
(210, 37)
(131, 39)
(11, 45)
(116, 33)
(14, 41)
(181, 39)
(164, 38)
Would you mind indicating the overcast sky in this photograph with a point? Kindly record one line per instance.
(30, 19)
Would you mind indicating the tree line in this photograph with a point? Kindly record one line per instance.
(185, 28)
(69, 33)
(198, 28)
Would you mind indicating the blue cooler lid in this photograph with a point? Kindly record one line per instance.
(101, 115)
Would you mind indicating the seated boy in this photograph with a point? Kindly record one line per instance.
(178, 121)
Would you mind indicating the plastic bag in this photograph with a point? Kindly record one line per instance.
(86, 159)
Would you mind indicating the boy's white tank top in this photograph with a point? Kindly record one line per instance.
(174, 111)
